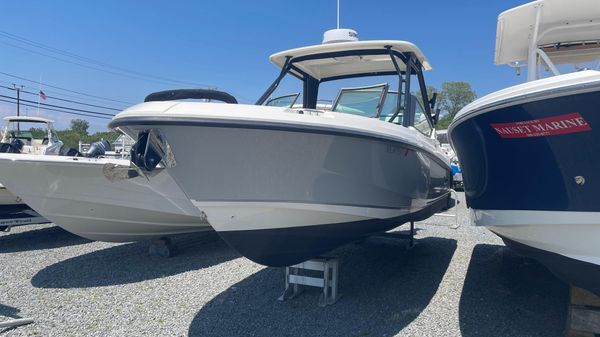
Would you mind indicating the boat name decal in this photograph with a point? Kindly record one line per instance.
(551, 126)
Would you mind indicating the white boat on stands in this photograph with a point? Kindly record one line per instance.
(74, 194)
(282, 185)
(24, 134)
(530, 153)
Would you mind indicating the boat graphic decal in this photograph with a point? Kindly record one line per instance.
(551, 126)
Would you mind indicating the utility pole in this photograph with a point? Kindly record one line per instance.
(18, 89)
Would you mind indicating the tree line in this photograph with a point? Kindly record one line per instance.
(452, 97)
(78, 130)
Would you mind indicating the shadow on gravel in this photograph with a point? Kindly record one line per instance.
(505, 294)
(384, 287)
(45, 238)
(6, 311)
(130, 263)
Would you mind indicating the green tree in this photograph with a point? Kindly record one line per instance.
(430, 91)
(454, 96)
(443, 123)
(80, 126)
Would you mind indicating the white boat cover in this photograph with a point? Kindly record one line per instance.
(340, 66)
(561, 21)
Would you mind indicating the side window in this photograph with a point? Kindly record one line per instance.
(389, 108)
(286, 101)
(421, 121)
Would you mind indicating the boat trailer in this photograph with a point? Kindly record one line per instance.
(18, 215)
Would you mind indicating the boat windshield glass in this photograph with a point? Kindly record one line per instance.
(389, 108)
(26, 131)
(360, 101)
(421, 122)
(286, 101)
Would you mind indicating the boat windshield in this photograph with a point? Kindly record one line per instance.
(364, 101)
(28, 132)
(389, 108)
(286, 101)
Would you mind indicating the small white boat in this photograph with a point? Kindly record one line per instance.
(74, 194)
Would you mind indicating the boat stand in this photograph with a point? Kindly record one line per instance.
(162, 247)
(397, 235)
(456, 225)
(295, 277)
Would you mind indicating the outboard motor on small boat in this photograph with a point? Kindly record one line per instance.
(98, 149)
(14, 146)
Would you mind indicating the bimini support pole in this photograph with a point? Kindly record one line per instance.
(532, 56)
(275, 83)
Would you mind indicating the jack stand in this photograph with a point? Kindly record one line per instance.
(13, 323)
(162, 247)
(329, 282)
(455, 215)
(396, 235)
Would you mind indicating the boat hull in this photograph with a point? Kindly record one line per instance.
(282, 234)
(281, 196)
(75, 195)
(531, 174)
(8, 198)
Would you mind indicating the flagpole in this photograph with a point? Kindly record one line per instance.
(39, 94)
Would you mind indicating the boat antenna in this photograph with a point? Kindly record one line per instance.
(338, 14)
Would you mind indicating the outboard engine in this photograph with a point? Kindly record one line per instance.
(98, 149)
(14, 146)
(70, 152)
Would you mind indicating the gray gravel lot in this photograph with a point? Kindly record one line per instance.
(455, 282)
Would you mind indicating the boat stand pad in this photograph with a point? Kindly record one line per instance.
(295, 276)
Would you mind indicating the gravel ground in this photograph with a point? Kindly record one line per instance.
(454, 282)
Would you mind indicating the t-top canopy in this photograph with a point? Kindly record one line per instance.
(574, 24)
(338, 66)
(27, 119)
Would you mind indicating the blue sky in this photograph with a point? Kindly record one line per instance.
(227, 43)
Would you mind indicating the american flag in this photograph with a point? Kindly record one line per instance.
(42, 95)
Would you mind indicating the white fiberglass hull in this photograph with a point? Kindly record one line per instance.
(570, 234)
(8, 198)
(74, 194)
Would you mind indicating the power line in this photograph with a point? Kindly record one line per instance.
(67, 112)
(46, 90)
(64, 100)
(67, 90)
(58, 106)
(122, 71)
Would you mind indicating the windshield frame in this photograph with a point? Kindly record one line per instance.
(413, 67)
